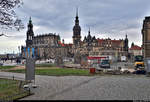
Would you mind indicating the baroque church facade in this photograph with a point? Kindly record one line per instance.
(50, 46)
(47, 46)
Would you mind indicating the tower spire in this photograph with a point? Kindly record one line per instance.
(30, 34)
(77, 18)
(126, 35)
(76, 30)
(30, 20)
(77, 12)
(30, 25)
(89, 30)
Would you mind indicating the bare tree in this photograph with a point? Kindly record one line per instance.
(4, 35)
(8, 17)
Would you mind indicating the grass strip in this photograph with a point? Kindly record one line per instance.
(9, 89)
(6, 67)
(56, 72)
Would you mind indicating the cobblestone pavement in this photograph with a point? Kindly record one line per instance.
(108, 87)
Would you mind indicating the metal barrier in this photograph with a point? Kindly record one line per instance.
(18, 84)
(12, 77)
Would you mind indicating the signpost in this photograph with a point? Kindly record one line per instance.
(30, 69)
(30, 65)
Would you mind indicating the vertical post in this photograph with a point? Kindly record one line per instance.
(20, 84)
(29, 91)
(19, 50)
(30, 69)
(25, 52)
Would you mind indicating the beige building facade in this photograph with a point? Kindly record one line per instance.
(146, 37)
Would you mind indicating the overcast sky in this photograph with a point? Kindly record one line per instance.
(106, 18)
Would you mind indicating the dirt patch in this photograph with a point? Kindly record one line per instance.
(23, 67)
(131, 70)
(46, 68)
(18, 67)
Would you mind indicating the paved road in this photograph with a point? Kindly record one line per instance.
(9, 75)
(129, 65)
(89, 88)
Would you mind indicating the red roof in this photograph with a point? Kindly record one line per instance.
(70, 45)
(113, 41)
(90, 58)
(135, 47)
(116, 41)
(61, 44)
(100, 40)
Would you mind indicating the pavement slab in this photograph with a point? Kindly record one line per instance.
(107, 87)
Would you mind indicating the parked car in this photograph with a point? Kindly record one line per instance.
(1, 64)
(123, 59)
(104, 64)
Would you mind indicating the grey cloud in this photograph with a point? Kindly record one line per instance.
(110, 18)
(58, 14)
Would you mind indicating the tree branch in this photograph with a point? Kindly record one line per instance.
(8, 17)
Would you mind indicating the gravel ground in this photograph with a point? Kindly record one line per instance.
(108, 87)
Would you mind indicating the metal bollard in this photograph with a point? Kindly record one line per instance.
(20, 85)
(29, 91)
(13, 77)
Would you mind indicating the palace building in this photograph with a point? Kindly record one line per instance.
(46, 45)
(92, 46)
(50, 46)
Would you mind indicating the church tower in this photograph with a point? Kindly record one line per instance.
(146, 37)
(76, 31)
(126, 44)
(30, 34)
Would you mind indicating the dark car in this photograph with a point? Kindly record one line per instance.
(104, 64)
(1, 64)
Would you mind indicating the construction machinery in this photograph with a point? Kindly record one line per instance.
(138, 61)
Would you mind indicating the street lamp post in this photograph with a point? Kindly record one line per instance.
(19, 50)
